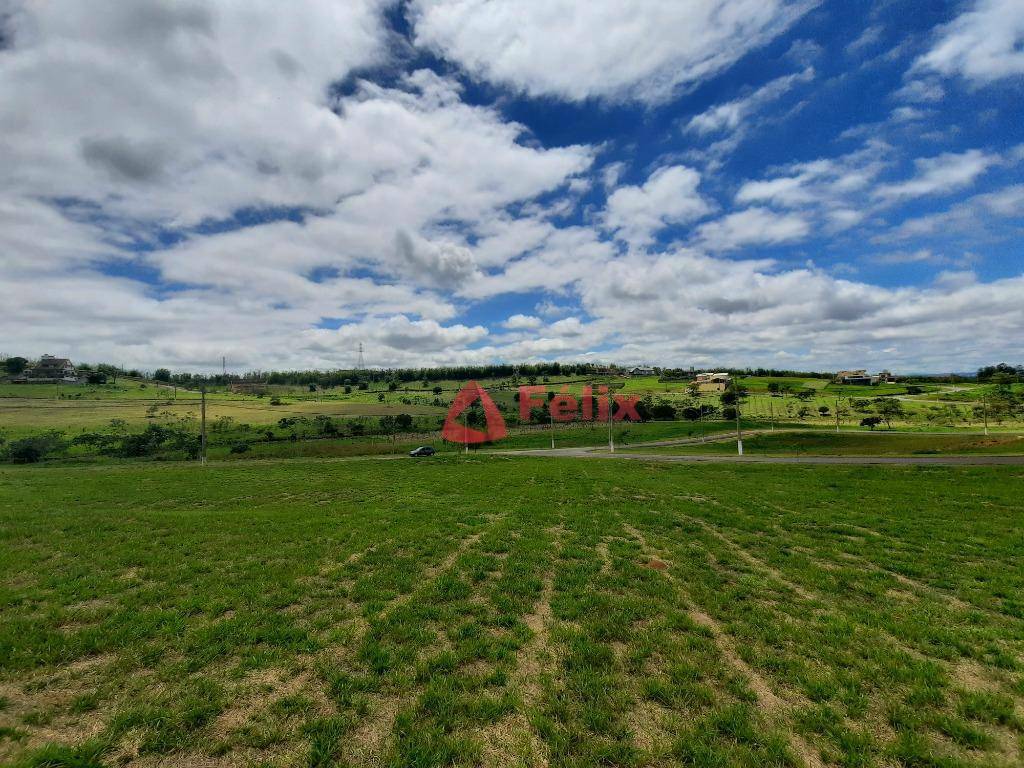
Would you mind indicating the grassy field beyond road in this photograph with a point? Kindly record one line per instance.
(511, 611)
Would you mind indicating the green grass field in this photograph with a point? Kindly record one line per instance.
(27, 410)
(511, 611)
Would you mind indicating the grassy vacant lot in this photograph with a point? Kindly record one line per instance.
(27, 410)
(28, 415)
(511, 611)
(823, 443)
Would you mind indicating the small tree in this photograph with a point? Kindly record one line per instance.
(889, 408)
(823, 411)
(162, 374)
(870, 422)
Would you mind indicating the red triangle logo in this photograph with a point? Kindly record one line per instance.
(454, 432)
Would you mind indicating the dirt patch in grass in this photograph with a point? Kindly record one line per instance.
(972, 676)
(260, 689)
(45, 702)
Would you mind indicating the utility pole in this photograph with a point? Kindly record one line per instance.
(739, 433)
(984, 411)
(551, 414)
(837, 414)
(202, 426)
(771, 413)
(611, 435)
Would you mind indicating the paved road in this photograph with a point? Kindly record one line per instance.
(595, 452)
(584, 453)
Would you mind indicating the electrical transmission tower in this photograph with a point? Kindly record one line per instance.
(360, 365)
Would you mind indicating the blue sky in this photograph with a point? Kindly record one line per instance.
(787, 183)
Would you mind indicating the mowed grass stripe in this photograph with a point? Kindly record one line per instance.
(773, 708)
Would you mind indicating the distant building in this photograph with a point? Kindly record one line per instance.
(859, 377)
(712, 382)
(248, 387)
(641, 370)
(50, 370)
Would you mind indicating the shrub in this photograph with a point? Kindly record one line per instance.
(663, 411)
(240, 448)
(156, 438)
(29, 450)
(325, 425)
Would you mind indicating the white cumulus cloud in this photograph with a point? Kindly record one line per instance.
(669, 196)
(984, 44)
(639, 51)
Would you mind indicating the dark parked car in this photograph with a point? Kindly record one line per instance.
(423, 450)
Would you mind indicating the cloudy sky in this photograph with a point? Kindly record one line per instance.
(787, 183)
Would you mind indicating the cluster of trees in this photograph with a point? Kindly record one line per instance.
(648, 408)
(686, 373)
(173, 440)
(1002, 401)
(1001, 374)
(15, 365)
(394, 377)
(179, 438)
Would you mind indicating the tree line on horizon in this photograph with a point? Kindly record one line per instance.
(15, 365)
